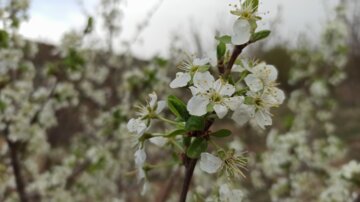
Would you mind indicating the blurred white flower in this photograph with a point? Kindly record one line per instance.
(208, 91)
(350, 170)
(242, 32)
(230, 195)
(210, 163)
(183, 78)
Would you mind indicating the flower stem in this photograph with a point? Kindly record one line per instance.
(177, 145)
(190, 166)
(167, 120)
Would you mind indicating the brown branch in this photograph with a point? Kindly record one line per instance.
(190, 166)
(236, 52)
(15, 164)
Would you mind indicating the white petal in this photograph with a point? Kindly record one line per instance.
(140, 157)
(278, 95)
(242, 31)
(218, 84)
(234, 102)
(160, 106)
(194, 90)
(272, 72)
(210, 163)
(158, 141)
(220, 110)
(201, 62)
(137, 126)
(181, 80)
(266, 72)
(243, 114)
(227, 90)
(263, 118)
(254, 83)
(197, 105)
(203, 80)
(153, 99)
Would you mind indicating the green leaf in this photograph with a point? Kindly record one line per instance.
(176, 132)
(221, 133)
(195, 123)
(221, 50)
(4, 39)
(226, 39)
(260, 35)
(186, 141)
(177, 107)
(74, 60)
(198, 146)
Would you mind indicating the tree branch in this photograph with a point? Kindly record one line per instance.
(15, 163)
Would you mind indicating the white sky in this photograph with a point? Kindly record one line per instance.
(49, 19)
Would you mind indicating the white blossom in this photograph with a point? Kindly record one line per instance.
(242, 32)
(216, 93)
(183, 78)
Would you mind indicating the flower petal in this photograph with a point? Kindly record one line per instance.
(153, 99)
(263, 118)
(160, 106)
(140, 157)
(203, 80)
(227, 90)
(137, 126)
(242, 29)
(197, 105)
(181, 80)
(234, 102)
(254, 83)
(220, 110)
(158, 141)
(243, 114)
(210, 163)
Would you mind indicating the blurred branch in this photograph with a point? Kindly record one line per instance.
(164, 194)
(15, 164)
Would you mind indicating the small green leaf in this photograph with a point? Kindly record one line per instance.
(221, 50)
(226, 39)
(177, 107)
(260, 35)
(221, 133)
(176, 132)
(186, 141)
(198, 146)
(195, 123)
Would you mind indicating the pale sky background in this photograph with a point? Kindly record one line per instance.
(49, 19)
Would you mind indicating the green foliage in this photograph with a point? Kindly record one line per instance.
(4, 39)
(73, 60)
(177, 107)
(226, 39)
(195, 123)
(221, 50)
(198, 146)
(2, 106)
(89, 26)
(176, 132)
(260, 35)
(221, 133)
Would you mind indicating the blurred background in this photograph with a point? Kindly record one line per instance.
(97, 59)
